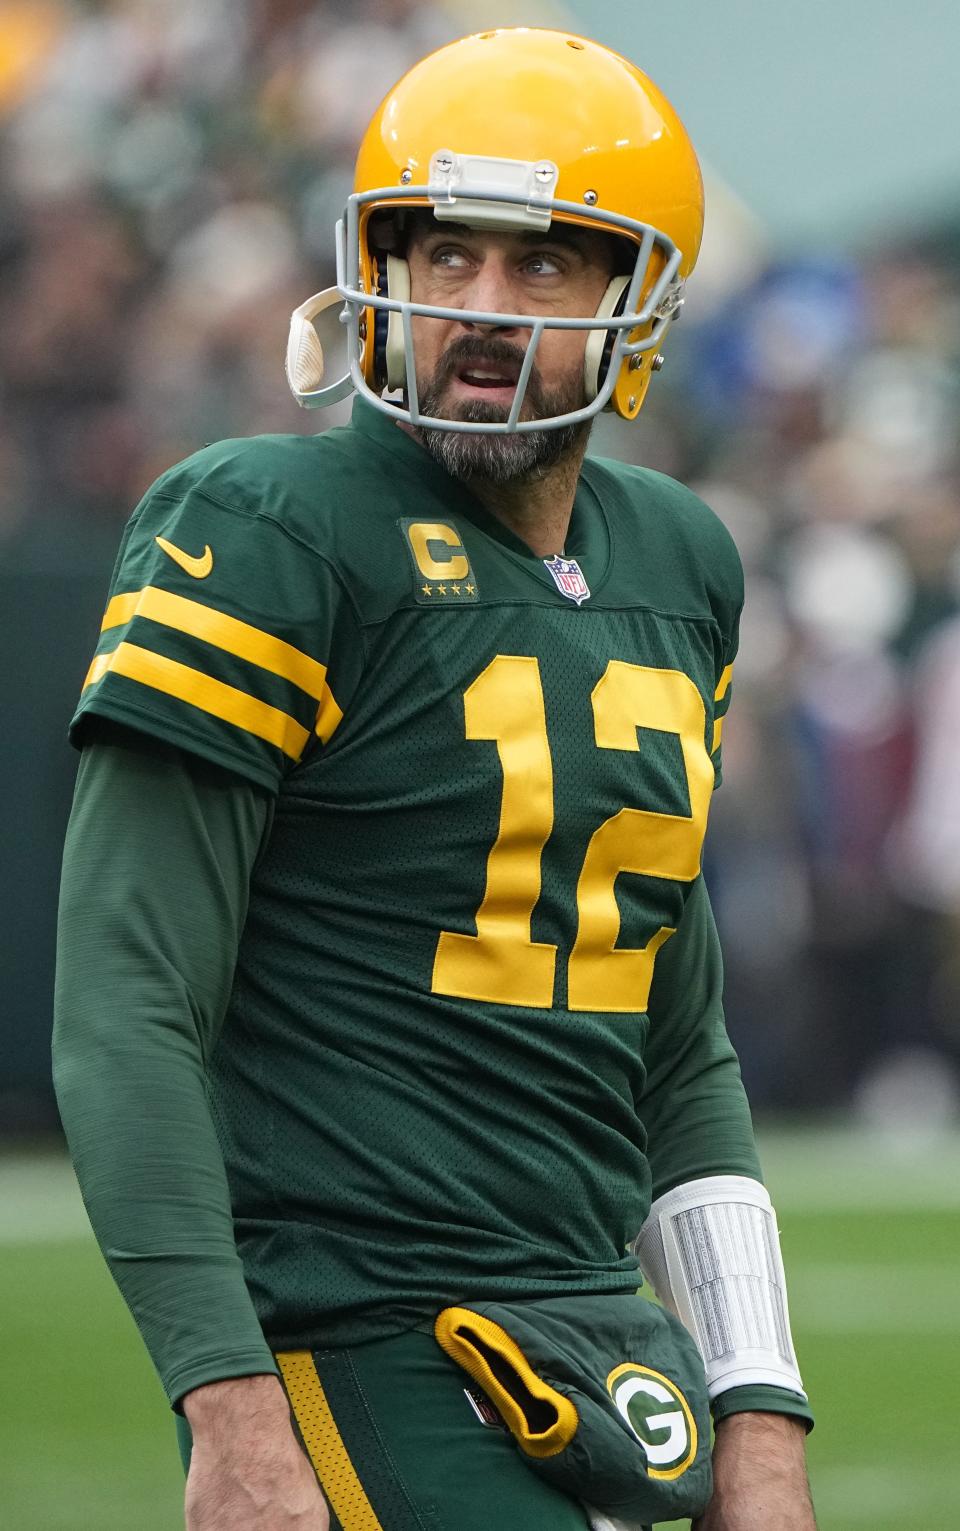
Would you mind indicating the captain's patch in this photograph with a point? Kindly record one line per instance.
(442, 575)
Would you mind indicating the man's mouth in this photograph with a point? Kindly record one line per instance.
(491, 376)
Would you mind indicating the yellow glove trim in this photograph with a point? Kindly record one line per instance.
(542, 1421)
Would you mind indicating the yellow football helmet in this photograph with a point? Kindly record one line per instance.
(598, 145)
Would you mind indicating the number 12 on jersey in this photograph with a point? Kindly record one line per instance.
(501, 964)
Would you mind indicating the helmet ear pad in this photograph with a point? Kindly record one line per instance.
(600, 343)
(389, 356)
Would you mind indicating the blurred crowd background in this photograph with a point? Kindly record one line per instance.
(170, 173)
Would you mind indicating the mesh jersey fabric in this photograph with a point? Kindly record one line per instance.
(395, 1139)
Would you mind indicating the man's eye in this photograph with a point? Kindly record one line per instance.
(445, 256)
(543, 265)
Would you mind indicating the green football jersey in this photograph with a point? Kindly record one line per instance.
(476, 1018)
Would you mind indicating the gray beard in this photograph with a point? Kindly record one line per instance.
(509, 458)
(498, 459)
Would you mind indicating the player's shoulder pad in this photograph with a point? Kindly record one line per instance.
(310, 498)
(676, 507)
(228, 630)
(671, 523)
(297, 483)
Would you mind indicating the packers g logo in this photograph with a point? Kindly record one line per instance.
(658, 1415)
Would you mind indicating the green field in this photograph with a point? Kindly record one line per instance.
(871, 1238)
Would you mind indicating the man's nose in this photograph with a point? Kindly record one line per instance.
(491, 291)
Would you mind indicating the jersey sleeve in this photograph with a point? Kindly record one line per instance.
(694, 1107)
(721, 706)
(223, 634)
(730, 610)
(151, 910)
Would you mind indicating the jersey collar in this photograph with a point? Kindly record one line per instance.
(588, 536)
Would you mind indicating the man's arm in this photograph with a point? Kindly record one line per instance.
(247, 1471)
(694, 1107)
(153, 898)
(156, 871)
(759, 1476)
(698, 1122)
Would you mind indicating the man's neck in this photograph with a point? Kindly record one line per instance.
(537, 510)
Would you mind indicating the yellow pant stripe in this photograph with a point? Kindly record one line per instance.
(211, 696)
(321, 1437)
(235, 637)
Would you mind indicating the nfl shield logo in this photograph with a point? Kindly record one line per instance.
(568, 578)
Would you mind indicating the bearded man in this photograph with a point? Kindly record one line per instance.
(389, 1041)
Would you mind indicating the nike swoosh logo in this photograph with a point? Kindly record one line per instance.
(198, 567)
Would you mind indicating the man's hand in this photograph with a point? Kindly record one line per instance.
(759, 1476)
(248, 1471)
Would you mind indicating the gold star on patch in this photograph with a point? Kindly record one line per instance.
(427, 589)
(471, 590)
(455, 589)
(441, 589)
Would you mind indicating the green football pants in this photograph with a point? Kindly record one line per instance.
(398, 1446)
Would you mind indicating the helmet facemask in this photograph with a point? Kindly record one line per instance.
(624, 334)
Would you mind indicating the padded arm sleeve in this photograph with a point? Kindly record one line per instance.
(156, 870)
(711, 1251)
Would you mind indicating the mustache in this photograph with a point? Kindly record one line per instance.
(479, 350)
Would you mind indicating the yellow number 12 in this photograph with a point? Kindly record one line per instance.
(501, 963)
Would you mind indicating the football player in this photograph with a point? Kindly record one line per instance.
(389, 1039)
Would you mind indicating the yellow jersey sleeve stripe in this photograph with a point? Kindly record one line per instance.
(717, 735)
(325, 1448)
(723, 684)
(120, 609)
(202, 691)
(329, 718)
(99, 666)
(235, 637)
